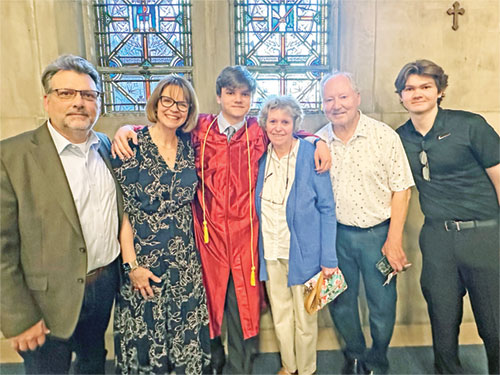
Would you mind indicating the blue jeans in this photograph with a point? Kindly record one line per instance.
(358, 250)
(87, 341)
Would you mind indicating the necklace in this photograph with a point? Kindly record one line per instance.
(167, 151)
(267, 175)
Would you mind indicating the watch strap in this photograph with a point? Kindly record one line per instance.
(130, 266)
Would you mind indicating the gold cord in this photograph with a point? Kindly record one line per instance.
(250, 201)
(205, 227)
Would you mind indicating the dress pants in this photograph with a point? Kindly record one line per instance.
(87, 341)
(296, 330)
(456, 262)
(358, 250)
(240, 352)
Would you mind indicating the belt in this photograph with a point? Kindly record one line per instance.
(457, 225)
(385, 222)
(94, 274)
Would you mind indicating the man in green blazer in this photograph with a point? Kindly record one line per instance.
(60, 213)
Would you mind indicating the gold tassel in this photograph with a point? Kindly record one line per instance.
(205, 231)
(252, 276)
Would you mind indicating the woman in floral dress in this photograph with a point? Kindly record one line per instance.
(161, 319)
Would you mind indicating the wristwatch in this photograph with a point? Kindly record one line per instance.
(317, 140)
(130, 266)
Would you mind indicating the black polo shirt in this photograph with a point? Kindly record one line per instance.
(459, 146)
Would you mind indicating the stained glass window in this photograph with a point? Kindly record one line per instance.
(284, 43)
(138, 43)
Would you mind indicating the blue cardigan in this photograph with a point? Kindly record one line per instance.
(310, 215)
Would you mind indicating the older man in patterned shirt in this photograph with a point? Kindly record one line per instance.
(371, 181)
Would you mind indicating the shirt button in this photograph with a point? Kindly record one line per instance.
(80, 280)
(82, 249)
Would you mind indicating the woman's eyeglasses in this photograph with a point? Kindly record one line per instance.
(284, 194)
(168, 102)
(269, 158)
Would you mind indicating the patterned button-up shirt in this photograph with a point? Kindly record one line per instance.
(366, 171)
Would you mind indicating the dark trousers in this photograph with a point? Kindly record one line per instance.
(240, 351)
(87, 341)
(454, 263)
(358, 250)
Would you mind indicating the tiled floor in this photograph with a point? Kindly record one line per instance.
(409, 360)
(411, 336)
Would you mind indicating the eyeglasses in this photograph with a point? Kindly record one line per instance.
(284, 194)
(269, 157)
(168, 102)
(69, 94)
(424, 160)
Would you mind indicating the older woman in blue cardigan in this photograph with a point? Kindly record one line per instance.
(297, 231)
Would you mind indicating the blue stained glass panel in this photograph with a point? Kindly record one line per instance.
(285, 44)
(129, 92)
(303, 86)
(139, 41)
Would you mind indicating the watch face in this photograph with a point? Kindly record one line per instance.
(126, 267)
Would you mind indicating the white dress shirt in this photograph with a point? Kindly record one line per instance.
(275, 232)
(224, 124)
(366, 171)
(94, 194)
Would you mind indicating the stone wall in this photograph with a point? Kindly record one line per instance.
(374, 38)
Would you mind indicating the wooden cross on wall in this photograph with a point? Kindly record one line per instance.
(455, 11)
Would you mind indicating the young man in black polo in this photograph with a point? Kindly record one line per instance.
(454, 157)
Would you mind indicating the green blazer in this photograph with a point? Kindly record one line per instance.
(43, 256)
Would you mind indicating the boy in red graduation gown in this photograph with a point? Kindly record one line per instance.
(229, 257)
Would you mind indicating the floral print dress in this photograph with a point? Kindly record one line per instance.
(168, 332)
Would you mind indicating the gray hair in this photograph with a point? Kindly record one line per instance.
(71, 63)
(234, 77)
(285, 102)
(337, 73)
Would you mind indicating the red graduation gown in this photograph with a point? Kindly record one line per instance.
(227, 215)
